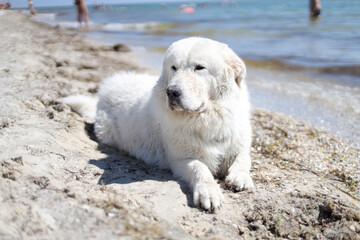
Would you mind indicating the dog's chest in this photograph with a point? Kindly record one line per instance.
(216, 150)
(210, 138)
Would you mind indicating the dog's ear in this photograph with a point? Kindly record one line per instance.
(236, 66)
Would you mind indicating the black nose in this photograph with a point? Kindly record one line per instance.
(173, 92)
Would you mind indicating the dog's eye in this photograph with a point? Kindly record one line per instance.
(199, 67)
(174, 68)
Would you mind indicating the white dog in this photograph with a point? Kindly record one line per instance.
(193, 120)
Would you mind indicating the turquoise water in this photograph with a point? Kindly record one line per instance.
(310, 69)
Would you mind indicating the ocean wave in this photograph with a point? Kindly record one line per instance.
(353, 70)
(116, 27)
(46, 15)
(48, 18)
(68, 25)
(350, 70)
(51, 20)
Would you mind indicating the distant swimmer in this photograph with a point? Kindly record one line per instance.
(186, 9)
(31, 8)
(315, 8)
(83, 14)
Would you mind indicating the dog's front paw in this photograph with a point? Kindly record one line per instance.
(239, 182)
(208, 196)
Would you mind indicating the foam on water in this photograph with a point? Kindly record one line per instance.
(115, 27)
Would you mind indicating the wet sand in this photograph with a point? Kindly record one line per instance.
(57, 183)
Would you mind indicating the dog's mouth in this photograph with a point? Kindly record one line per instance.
(179, 107)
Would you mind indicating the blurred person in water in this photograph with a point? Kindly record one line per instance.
(315, 9)
(83, 14)
(31, 8)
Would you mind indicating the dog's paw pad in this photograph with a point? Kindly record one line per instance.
(208, 196)
(239, 182)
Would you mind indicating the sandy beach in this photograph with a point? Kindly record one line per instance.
(57, 182)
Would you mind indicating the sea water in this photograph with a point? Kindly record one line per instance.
(309, 69)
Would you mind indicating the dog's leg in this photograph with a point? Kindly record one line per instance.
(207, 193)
(238, 178)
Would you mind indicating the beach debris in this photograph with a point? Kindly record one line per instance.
(42, 182)
(120, 47)
(18, 160)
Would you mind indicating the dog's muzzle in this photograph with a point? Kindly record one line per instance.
(174, 94)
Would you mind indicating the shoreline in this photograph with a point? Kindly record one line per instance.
(62, 184)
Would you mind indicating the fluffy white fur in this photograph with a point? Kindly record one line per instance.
(199, 130)
(84, 105)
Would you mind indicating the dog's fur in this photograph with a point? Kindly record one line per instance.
(193, 120)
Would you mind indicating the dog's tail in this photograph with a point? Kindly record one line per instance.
(83, 105)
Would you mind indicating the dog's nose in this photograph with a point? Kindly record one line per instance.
(173, 92)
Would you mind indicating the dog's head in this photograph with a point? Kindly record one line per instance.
(198, 71)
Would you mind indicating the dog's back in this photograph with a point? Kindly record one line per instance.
(124, 118)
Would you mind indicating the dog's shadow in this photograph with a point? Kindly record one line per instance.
(120, 168)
